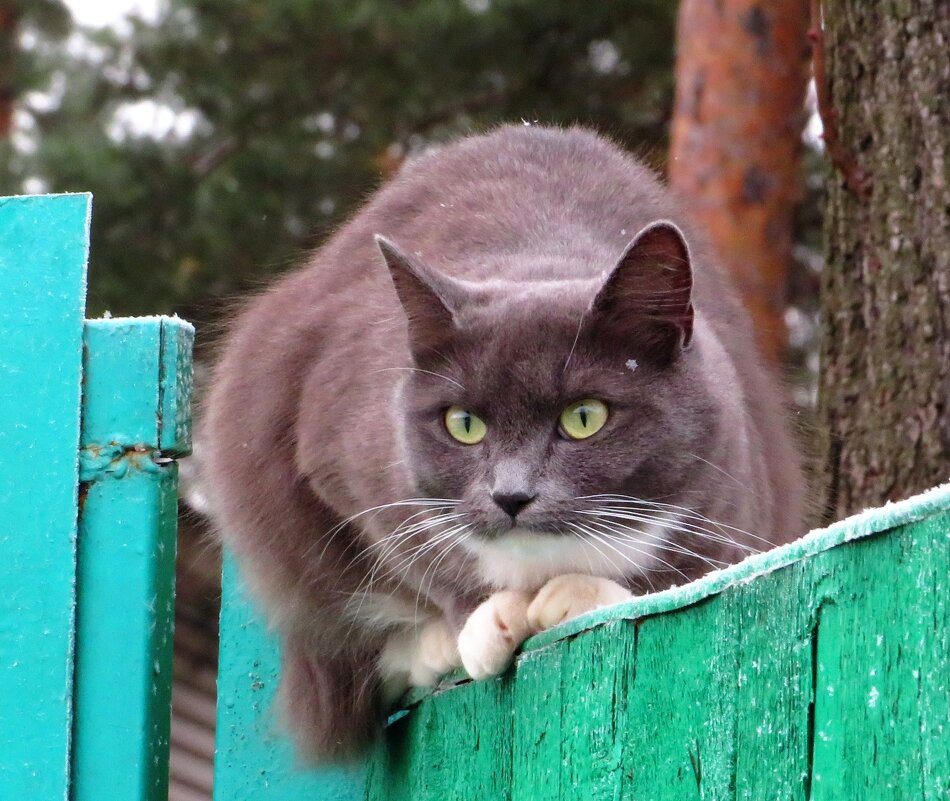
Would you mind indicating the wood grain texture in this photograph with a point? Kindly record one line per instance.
(816, 672)
(43, 249)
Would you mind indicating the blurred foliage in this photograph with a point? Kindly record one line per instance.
(270, 120)
(19, 69)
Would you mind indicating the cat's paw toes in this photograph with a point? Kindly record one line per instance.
(565, 597)
(437, 654)
(492, 634)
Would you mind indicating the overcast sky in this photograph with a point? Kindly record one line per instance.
(99, 13)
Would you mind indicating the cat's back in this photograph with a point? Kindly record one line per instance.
(496, 205)
(519, 203)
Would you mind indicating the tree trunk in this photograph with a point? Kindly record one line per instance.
(741, 72)
(885, 362)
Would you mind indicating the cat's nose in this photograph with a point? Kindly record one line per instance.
(512, 502)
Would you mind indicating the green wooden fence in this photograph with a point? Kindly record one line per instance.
(819, 671)
(92, 415)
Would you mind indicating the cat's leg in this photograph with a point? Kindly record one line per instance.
(493, 632)
(568, 596)
(417, 657)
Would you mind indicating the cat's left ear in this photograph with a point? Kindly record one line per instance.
(429, 300)
(646, 300)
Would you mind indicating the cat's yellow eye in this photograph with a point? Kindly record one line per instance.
(583, 419)
(464, 426)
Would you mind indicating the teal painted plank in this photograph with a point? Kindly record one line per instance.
(175, 387)
(138, 387)
(125, 622)
(126, 556)
(254, 761)
(43, 249)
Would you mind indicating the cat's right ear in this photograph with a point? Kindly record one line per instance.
(428, 299)
(646, 301)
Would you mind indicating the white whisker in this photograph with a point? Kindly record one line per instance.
(718, 468)
(427, 372)
(683, 510)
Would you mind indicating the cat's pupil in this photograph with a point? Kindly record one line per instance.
(583, 415)
(467, 422)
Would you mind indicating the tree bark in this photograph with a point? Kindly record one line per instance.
(741, 73)
(885, 361)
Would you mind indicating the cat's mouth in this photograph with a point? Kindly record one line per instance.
(514, 528)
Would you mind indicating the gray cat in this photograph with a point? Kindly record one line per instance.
(514, 387)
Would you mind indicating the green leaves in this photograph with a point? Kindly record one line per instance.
(279, 116)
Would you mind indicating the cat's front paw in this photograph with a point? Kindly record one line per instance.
(437, 654)
(493, 632)
(571, 595)
(416, 657)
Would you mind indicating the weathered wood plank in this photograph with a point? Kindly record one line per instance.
(877, 642)
(775, 629)
(935, 667)
(442, 753)
(681, 741)
(253, 760)
(573, 715)
(126, 555)
(43, 249)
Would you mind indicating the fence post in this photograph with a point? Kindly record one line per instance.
(43, 248)
(136, 417)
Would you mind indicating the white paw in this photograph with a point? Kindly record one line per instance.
(417, 658)
(493, 632)
(568, 596)
(436, 654)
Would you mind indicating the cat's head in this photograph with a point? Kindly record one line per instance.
(530, 399)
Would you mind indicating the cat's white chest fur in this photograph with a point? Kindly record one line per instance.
(524, 560)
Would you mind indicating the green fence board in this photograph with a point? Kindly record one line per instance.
(775, 630)
(43, 250)
(135, 401)
(448, 757)
(574, 702)
(707, 692)
(253, 760)
(876, 640)
(681, 743)
(816, 672)
(935, 673)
